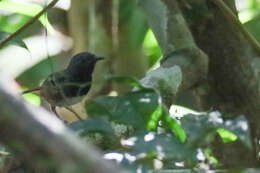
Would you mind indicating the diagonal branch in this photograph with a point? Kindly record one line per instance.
(28, 23)
(41, 140)
(233, 18)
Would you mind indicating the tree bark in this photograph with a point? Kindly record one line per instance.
(41, 139)
(176, 42)
(234, 87)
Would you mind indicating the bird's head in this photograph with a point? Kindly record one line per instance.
(82, 64)
(84, 60)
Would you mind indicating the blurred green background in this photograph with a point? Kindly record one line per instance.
(115, 29)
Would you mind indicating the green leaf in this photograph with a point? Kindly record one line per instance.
(164, 80)
(134, 108)
(97, 131)
(201, 129)
(33, 99)
(151, 48)
(176, 128)
(15, 41)
(28, 10)
(91, 125)
(213, 160)
(12, 22)
(154, 120)
(240, 127)
(125, 80)
(226, 135)
(45, 22)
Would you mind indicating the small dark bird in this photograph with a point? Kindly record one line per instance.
(68, 87)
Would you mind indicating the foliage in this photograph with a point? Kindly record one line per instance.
(136, 129)
(16, 41)
(151, 48)
(27, 10)
(154, 134)
(33, 99)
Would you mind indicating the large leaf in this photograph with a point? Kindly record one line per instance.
(175, 127)
(165, 80)
(127, 161)
(240, 127)
(91, 125)
(163, 146)
(134, 108)
(12, 22)
(14, 41)
(129, 80)
(97, 131)
(202, 129)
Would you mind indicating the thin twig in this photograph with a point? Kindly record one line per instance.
(31, 90)
(74, 112)
(28, 23)
(32, 132)
(229, 14)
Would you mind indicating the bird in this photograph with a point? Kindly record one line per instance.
(69, 86)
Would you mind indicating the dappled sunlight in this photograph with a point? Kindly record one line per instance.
(160, 151)
(118, 157)
(37, 52)
(156, 53)
(201, 155)
(130, 157)
(149, 137)
(129, 142)
(145, 100)
(113, 93)
(179, 111)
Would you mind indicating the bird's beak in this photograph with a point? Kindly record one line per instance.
(99, 58)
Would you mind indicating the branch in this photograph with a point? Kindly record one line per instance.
(176, 41)
(28, 23)
(233, 84)
(31, 90)
(42, 140)
(233, 18)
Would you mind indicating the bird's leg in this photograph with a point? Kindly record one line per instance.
(75, 113)
(53, 109)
